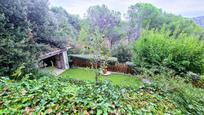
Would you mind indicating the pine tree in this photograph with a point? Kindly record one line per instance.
(16, 46)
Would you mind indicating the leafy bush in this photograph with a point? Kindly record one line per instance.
(200, 82)
(122, 52)
(189, 99)
(158, 50)
(202, 78)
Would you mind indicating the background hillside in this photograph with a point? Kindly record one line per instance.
(199, 21)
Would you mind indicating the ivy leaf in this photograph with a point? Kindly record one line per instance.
(99, 112)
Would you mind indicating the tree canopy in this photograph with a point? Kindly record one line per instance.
(147, 16)
(26, 26)
(16, 45)
(105, 20)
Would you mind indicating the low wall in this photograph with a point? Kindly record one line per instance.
(114, 67)
(122, 68)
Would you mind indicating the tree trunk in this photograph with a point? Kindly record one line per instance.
(96, 71)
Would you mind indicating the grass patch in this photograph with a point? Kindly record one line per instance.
(116, 79)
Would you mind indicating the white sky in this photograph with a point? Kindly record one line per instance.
(187, 8)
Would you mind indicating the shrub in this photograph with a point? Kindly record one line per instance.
(158, 50)
(200, 82)
(189, 99)
(202, 78)
(122, 52)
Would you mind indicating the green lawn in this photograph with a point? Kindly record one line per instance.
(89, 75)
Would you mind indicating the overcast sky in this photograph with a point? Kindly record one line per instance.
(187, 8)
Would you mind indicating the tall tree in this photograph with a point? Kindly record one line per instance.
(44, 27)
(67, 24)
(100, 17)
(16, 46)
(142, 16)
(38, 15)
(99, 52)
(147, 16)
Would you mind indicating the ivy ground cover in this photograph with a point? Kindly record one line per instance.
(51, 95)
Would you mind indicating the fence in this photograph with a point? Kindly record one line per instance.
(114, 67)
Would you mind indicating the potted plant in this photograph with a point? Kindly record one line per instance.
(105, 70)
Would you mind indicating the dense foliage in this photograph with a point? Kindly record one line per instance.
(69, 96)
(199, 21)
(68, 26)
(51, 26)
(105, 20)
(147, 16)
(157, 50)
(27, 26)
(187, 97)
(122, 52)
(17, 48)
